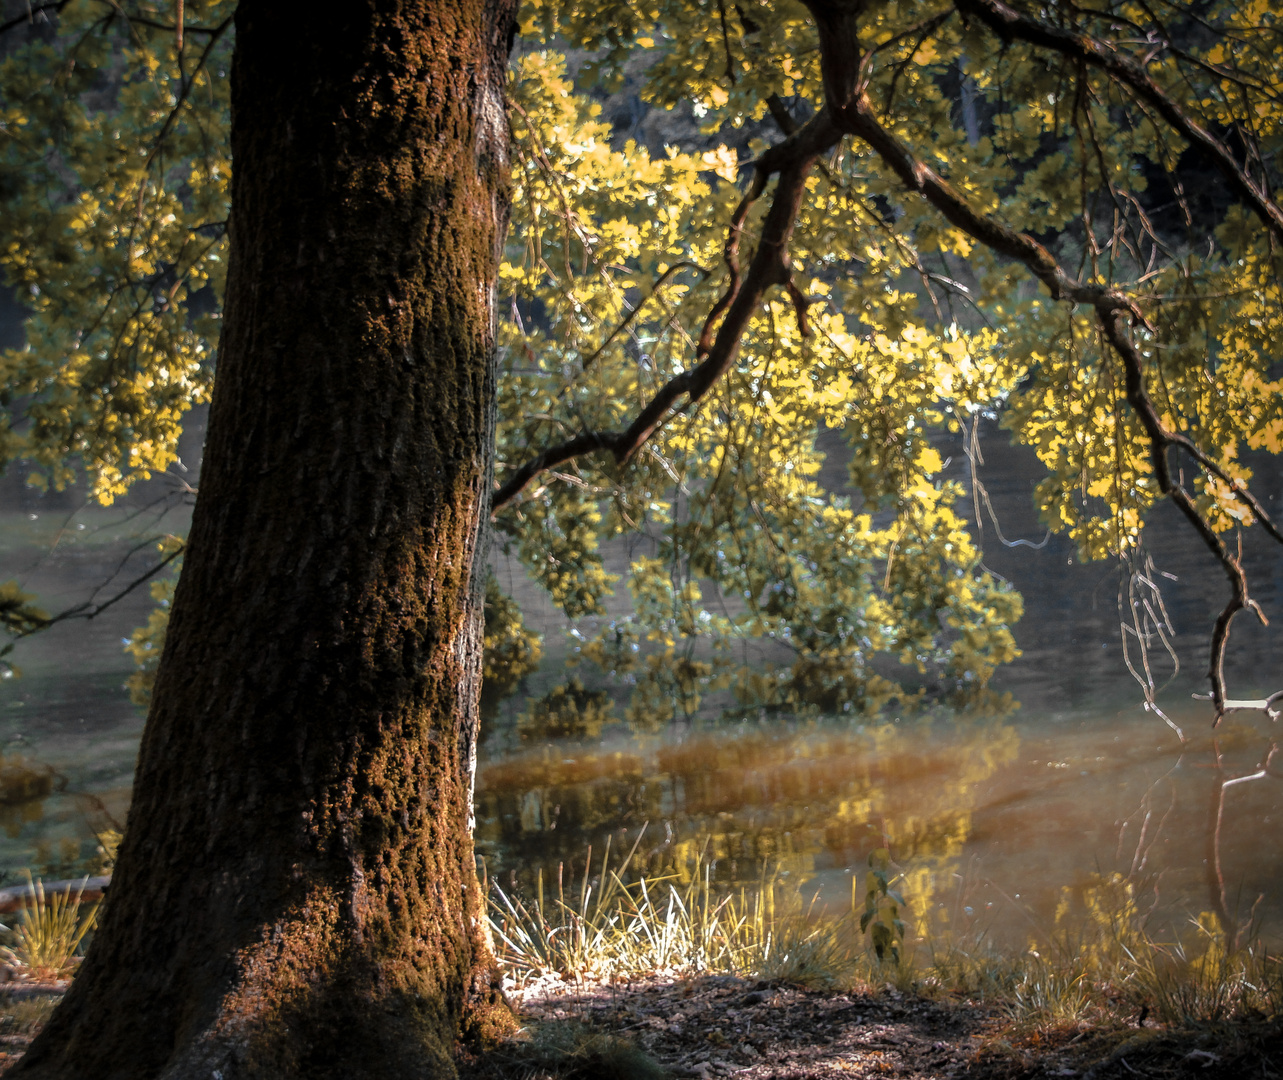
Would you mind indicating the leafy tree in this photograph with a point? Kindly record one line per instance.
(929, 172)
(907, 311)
(887, 220)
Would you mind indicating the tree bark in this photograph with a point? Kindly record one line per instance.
(295, 895)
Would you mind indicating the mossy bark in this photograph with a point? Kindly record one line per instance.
(295, 895)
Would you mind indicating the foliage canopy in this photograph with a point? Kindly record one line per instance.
(884, 221)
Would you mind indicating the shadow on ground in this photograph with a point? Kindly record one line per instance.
(723, 1026)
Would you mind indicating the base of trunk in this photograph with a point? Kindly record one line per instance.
(304, 1004)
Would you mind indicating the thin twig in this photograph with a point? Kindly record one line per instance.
(28, 17)
(89, 610)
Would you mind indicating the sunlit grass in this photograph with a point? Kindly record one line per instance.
(49, 930)
(608, 927)
(1106, 964)
(1098, 966)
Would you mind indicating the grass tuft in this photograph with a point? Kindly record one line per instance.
(50, 930)
(1098, 966)
(659, 926)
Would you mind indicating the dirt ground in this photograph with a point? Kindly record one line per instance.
(720, 1026)
(723, 1026)
(24, 1008)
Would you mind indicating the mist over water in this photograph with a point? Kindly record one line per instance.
(996, 822)
(991, 820)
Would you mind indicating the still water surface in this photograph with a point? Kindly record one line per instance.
(990, 819)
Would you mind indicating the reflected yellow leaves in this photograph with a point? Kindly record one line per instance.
(797, 801)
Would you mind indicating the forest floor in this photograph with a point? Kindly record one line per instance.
(24, 1008)
(722, 1026)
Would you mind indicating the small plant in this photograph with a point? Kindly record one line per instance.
(881, 916)
(1047, 992)
(655, 925)
(49, 932)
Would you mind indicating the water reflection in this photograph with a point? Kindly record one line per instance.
(24, 787)
(991, 819)
(988, 819)
(51, 830)
(803, 798)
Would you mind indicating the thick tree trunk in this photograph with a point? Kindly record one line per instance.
(295, 895)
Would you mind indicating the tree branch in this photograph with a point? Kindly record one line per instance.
(1160, 439)
(89, 610)
(1113, 309)
(858, 117)
(29, 16)
(1010, 24)
(185, 88)
(56, 7)
(792, 160)
(587, 443)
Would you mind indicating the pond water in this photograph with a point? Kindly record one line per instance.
(989, 819)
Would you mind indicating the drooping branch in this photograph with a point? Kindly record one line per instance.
(1160, 439)
(21, 620)
(88, 610)
(854, 114)
(792, 160)
(91, 611)
(1010, 24)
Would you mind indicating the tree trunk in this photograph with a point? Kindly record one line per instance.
(295, 895)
